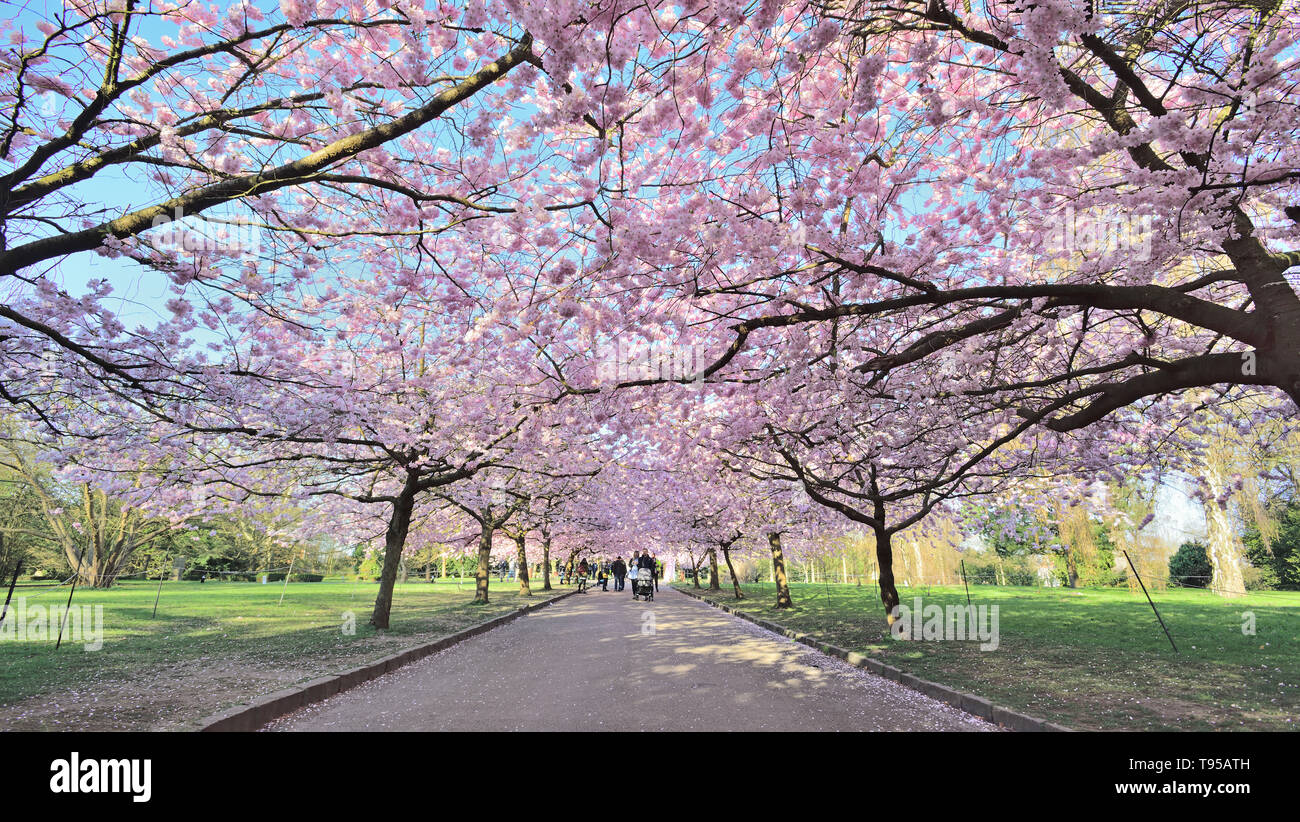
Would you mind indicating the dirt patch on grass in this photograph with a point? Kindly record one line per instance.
(1103, 678)
(1122, 692)
(176, 695)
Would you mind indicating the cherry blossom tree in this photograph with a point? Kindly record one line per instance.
(753, 263)
(1107, 196)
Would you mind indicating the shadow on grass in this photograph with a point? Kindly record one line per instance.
(1088, 659)
(214, 644)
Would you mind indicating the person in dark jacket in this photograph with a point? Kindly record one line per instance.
(619, 568)
(645, 568)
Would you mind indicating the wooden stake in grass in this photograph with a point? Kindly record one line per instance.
(161, 577)
(1153, 605)
(17, 570)
(75, 579)
(286, 579)
(964, 582)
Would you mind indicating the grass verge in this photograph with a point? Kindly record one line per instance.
(212, 645)
(1089, 659)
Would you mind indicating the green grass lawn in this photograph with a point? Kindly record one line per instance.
(1089, 659)
(216, 644)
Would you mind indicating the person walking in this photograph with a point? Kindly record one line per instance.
(620, 572)
(643, 569)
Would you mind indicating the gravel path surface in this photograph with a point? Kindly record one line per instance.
(601, 661)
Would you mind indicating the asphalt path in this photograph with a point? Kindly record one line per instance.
(601, 661)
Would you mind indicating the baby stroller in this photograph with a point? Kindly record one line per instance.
(644, 586)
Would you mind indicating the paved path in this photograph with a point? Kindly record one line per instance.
(586, 664)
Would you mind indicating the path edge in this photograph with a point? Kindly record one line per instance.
(252, 716)
(970, 703)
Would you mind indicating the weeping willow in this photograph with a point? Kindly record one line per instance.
(1132, 504)
(1078, 540)
(926, 553)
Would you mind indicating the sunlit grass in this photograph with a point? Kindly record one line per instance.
(1094, 658)
(240, 627)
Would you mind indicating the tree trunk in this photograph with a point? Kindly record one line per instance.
(394, 542)
(484, 565)
(1224, 548)
(783, 599)
(524, 588)
(715, 582)
(546, 561)
(885, 561)
(735, 583)
(93, 573)
(919, 574)
(695, 571)
(97, 566)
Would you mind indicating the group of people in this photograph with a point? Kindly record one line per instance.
(641, 563)
(599, 569)
(507, 569)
